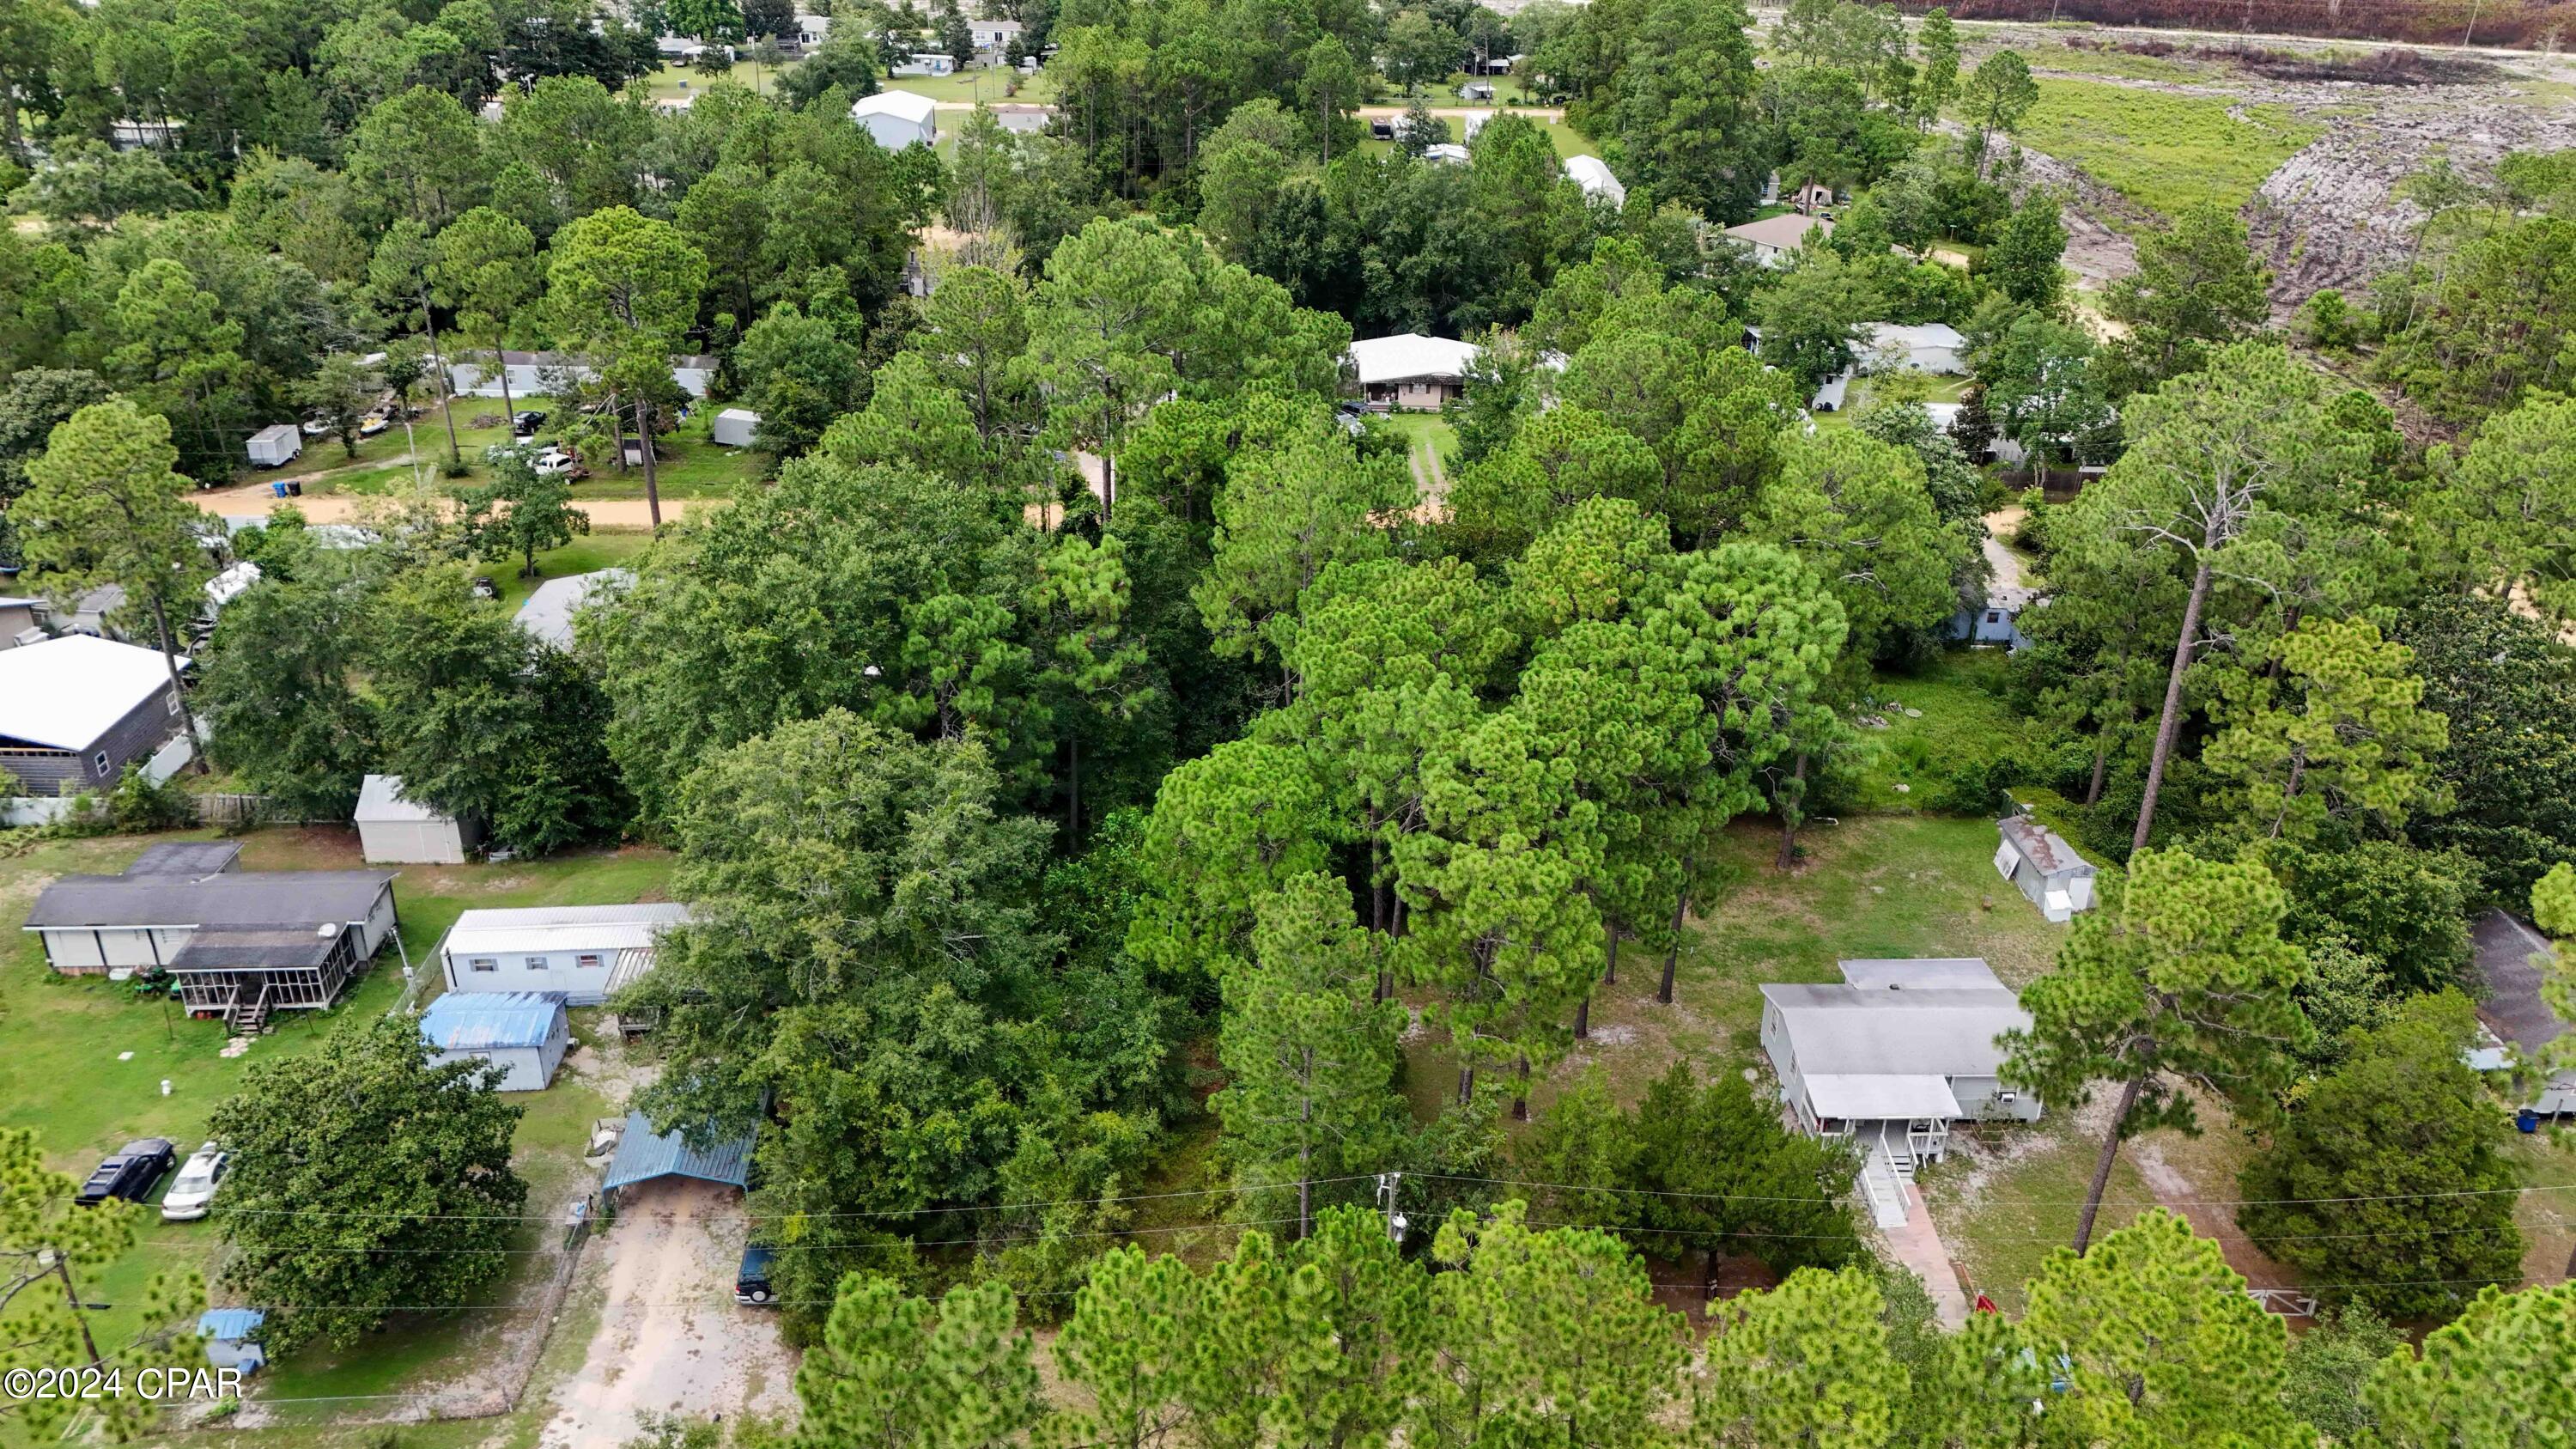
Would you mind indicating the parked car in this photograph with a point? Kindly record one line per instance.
(556, 463)
(194, 1191)
(130, 1172)
(525, 425)
(751, 1280)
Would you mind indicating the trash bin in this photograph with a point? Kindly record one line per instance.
(278, 488)
(294, 488)
(2527, 1120)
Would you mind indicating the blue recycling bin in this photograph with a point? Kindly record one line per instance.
(277, 488)
(2527, 1120)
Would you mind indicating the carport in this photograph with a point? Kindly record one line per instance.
(644, 1155)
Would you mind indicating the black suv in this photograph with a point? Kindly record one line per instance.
(751, 1280)
(131, 1172)
(525, 425)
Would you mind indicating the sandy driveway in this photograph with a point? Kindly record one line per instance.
(353, 508)
(670, 1336)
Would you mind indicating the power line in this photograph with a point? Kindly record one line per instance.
(868, 1213)
(2016, 1202)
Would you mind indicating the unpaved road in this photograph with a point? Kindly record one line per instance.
(670, 1336)
(357, 508)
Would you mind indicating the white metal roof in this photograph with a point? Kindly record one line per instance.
(227, 586)
(1922, 973)
(64, 693)
(1594, 176)
(381, 802)
(1849, 1030)
(1878, 1098)
(537, 929)
(278, 433)
(548, 612)
(909, 105)
(1411, 355)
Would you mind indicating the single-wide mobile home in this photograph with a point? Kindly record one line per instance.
(524, 1033)
(583, 953)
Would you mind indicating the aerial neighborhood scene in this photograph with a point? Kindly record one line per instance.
(1288, 724)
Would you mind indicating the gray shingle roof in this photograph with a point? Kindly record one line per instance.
(2513, 1005)
(186, 858)
(239, 948)
(240, 898)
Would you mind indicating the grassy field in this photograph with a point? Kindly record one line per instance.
(2166, 152)
(384, 465)
(82, 1062)
(605, 549)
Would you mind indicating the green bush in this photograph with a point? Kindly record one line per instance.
(137, 805)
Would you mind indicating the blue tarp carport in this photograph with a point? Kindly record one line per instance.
(644, 1154)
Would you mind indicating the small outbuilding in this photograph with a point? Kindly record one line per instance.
(898, 118)
(2044, 868)
(548, 613)
(1476, 90)
(277, 446)
(1594, 176)
(644, 1155)
(1411, 372)
(232, 1338)
(524, 1033)
(734, 427)
(395, 831)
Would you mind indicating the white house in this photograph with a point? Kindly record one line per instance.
(1593, 175)
(1913, 347)
(734, 427)
(544, 374)
(898, 118)
(2044, 868)
(1891, 1058)
(926, 63)
(812, 30)
(583, 953)
(524, 1033)
(994, 35)
(1773, 238)
(548, 613)
(396, 831)
(1996, 619)
(1410, 371)
(1447, 153)
(277, 446)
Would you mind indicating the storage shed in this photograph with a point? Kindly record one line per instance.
(733, 428)
(2044, 868)
(524, 1033)
(396, 831)
(276, 447)
(232, 1338)
(644, 1154)
(1594, 176)
(584, 953)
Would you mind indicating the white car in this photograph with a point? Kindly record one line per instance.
(194, 1191)
(553, 462)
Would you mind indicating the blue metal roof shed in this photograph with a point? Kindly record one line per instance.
(644, 1154)
(524, 1033)
(229, 1322)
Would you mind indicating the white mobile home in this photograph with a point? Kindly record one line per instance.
(1594, 175)
(926, 63)
(524, 1033)
(583, 953)
(2044, 868)
(396, 831)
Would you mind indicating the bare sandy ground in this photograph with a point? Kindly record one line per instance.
(670, 1337)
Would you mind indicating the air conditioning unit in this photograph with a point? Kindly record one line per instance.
(2007, 1097)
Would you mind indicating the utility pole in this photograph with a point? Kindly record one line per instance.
(1387, 1185)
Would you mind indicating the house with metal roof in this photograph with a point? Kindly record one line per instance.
(1893, 1056)
(1595, 177)
(584, 953)
(75, 711)
(524, 1033)
(2043, 867)
(644, 1155)
(1773, 238)
(896, 119)
(394, 830)
(547, 613)
(1410, 371)
(240, 943)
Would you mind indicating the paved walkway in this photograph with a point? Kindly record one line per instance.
(1918, 1246)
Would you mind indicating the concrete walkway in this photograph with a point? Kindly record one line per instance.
(1918, 1246)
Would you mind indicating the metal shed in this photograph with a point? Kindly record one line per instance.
(2044, 868)
(644, 1154)
(733, 428)
(396, 831)
(525, 1033)
(232, 1337)
(275, 447)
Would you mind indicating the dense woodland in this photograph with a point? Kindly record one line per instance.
(1019, 814)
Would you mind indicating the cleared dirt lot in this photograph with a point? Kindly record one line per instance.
(670, 1336)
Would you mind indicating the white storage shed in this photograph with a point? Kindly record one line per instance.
(898, 118)
(396, 831)
(276, 447)
(734, 427)
(583, 953)
(524, 1033)
(2043, 867)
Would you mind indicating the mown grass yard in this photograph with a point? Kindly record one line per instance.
(2164, 151)
(82, 1061)
(389, 466)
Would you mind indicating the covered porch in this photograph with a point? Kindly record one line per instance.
(245, 972)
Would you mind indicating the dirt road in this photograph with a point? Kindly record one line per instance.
(255, 498)
(670, 1336)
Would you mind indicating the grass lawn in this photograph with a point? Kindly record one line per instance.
(81, 1060)
(1963, 715)
(2166, 152)
(603, 549)
(992, 86)
(697, 467)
